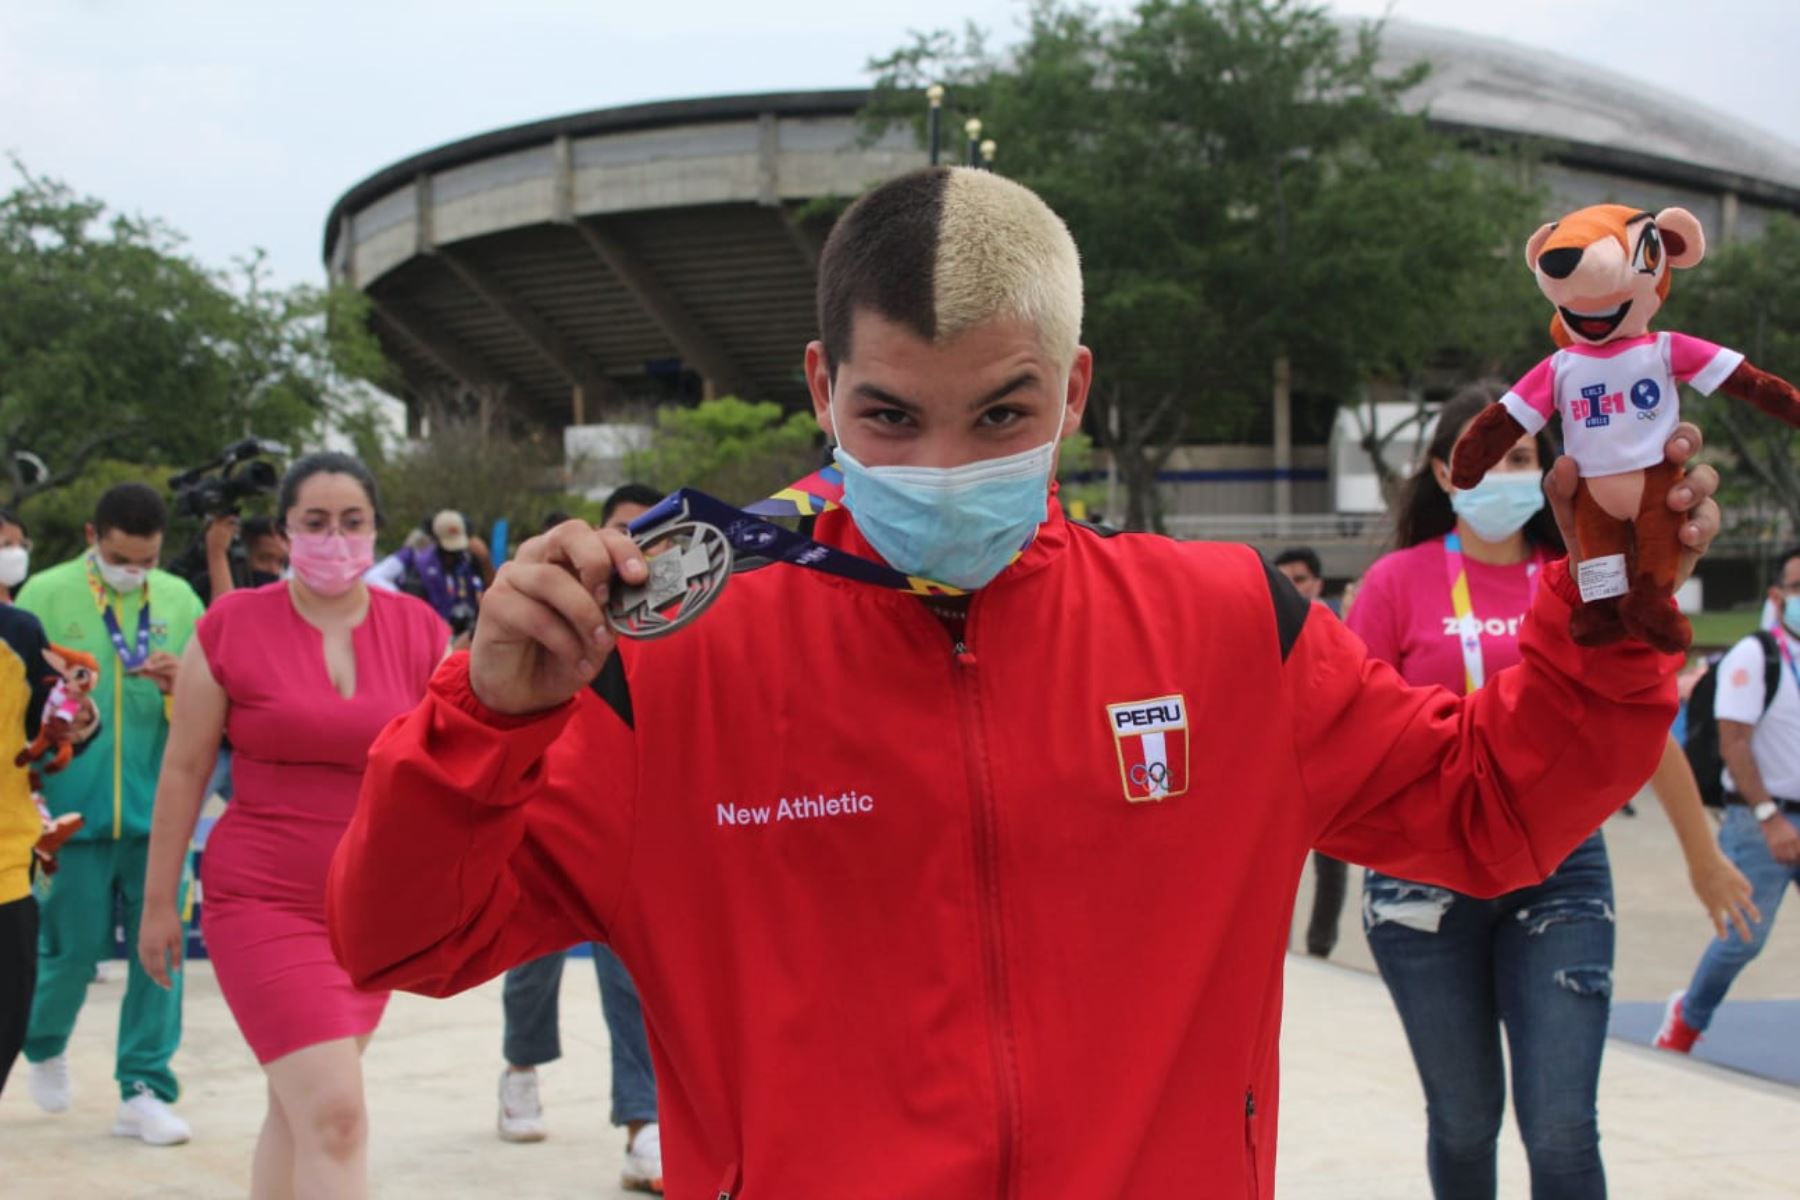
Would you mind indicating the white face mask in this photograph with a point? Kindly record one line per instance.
(15, 564)
(123, 580)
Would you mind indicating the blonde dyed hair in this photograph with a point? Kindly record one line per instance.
(948, 248)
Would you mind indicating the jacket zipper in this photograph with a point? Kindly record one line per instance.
(1250, 1141)
(987, 873)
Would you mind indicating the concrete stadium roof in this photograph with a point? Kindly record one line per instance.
(563, 266)
(1608, 118)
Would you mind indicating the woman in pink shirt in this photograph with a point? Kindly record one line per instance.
(1445, 608)
(303, 675)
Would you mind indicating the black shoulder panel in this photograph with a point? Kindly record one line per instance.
(1290, 608)
(1095, 527)
(610, 685)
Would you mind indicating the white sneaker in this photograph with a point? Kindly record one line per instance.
(148, 1119)
(643, 1161)
(51, 1086)
(521, 1113)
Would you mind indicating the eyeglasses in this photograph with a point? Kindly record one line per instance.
(350, 524)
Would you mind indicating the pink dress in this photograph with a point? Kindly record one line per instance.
(299, 749)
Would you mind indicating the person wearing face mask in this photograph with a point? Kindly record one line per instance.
(302, 674)
(1447, 608)
(26, 679)
(112, 602)
(1759, 741)
(15, 555)
(930, 894)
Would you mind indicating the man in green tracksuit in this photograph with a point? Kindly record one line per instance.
(112, 603)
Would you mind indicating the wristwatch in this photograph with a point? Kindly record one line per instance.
(1765, 810)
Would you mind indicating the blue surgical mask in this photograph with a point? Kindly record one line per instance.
(1498, 506)
(1790, 613)
(955, 525)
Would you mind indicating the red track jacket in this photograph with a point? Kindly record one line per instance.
(900, 929)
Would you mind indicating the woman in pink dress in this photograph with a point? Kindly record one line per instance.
(302, 675)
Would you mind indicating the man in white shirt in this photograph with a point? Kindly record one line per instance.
(1759, 741)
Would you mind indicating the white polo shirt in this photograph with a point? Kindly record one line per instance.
(1619, 402)
(1776, 742)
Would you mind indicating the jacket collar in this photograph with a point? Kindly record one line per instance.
(837, 528)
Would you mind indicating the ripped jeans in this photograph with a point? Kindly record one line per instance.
(1537, 962)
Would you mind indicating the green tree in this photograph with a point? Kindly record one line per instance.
(734, 449)
(116, 344)
(1252, 206)
(484, 473)
(1747, 296)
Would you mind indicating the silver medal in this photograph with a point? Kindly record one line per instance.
(689, 563)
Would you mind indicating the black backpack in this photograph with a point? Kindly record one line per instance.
(1702, 745)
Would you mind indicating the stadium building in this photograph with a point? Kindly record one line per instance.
(569, 271)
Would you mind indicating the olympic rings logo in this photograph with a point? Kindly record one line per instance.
(1155, 775)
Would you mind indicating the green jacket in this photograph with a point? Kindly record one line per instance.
(113, 784)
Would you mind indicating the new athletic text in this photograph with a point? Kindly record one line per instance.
(799, 808)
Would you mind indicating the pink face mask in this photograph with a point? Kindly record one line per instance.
(330, 563)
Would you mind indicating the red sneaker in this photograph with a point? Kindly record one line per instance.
(1676, 1034)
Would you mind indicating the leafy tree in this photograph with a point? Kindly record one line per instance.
(1747, 296)
(734, 449)
(483, 473)
(1252, 205)
(115, 344)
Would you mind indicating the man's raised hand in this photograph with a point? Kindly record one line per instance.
(543, 635)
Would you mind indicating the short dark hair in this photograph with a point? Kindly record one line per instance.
(1423, 510)
(629, 493)
(1304, 555)
(9, 517)
(1787, 556)
(254, 529)
(881, 256)
(134, 509)
(326, 462)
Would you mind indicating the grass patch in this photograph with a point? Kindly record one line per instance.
(1716, 630)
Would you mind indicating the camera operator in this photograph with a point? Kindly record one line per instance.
(246, 553)
(224, 558)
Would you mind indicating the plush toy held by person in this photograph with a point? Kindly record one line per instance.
(64, 711)
(1607, 270)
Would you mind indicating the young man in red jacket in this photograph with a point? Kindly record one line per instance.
(961, 898)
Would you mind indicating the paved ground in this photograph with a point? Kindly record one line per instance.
(1352, 1125)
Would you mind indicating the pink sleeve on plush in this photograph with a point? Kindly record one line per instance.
(1537, 388)
(1700, 363)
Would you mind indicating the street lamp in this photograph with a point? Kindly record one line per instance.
(987, 153)
(972, 127)
(934, 95)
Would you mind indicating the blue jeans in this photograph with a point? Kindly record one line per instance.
(1742, 841)
(532, 1037)
(1537, 962)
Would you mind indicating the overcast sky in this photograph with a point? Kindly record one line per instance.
(241, 123)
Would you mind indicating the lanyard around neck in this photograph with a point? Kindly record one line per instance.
(1468, 626)
(1787, 654)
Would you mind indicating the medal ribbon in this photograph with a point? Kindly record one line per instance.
(1468, 627)
(757, 541)
(132, 659)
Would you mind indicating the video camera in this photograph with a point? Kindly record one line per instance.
(215, 489)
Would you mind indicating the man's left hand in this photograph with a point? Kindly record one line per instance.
(1692, 495)
(160, 669)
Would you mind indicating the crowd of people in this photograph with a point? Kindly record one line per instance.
(911, 984)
